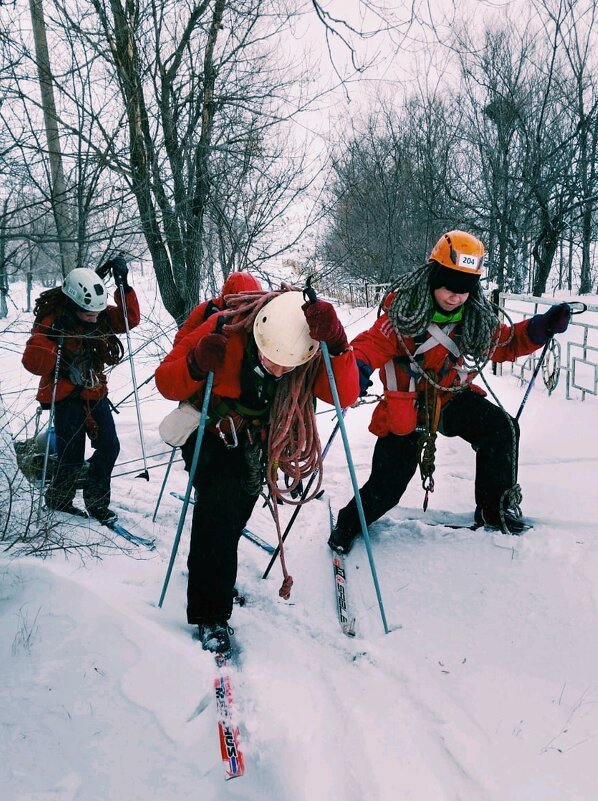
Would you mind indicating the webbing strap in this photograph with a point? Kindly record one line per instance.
(438, 336)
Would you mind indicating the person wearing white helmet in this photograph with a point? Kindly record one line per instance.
(265, 365)
(74, 338)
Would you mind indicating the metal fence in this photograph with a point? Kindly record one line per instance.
(580, 342)
(356, 294)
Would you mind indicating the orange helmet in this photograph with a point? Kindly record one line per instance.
(460, 251)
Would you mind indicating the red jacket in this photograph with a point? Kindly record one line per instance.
(39, 357)
(175, 383)
(379, 346)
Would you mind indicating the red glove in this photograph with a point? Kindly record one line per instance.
(207, 356)
(325, 326)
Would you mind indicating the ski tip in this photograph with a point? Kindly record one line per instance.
(235, 772)
(232, 756)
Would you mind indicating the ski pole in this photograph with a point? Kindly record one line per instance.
(533, 378)
(192, 469)
(309, 294)
(59, 347)
(364, 527)
(145, 473)
(166, 474)
(577, 307)
(304, 494)
(132, 392)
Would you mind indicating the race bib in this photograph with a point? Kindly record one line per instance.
(468, 262)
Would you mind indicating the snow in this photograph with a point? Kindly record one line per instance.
(484, 689)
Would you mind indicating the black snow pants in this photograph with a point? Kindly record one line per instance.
(493, 436)
(221, 511)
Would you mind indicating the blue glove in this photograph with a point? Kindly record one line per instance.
(365, 372)
(542, 327)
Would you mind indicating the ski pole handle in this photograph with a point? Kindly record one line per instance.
(577, 307)
(309, 293)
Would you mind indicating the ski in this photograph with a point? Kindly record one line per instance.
(73, 512)
(340, 586)
(134, 539)
(113, 525)
(347, 623)
(228, 732)
(249, 535)
(246, 532)
(456, 526)
(434, 523)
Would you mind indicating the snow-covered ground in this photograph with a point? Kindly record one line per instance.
(484, 689)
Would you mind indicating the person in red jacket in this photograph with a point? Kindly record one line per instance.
(435, 335)
(72, 340)
(267, 371)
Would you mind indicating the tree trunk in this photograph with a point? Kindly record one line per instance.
(58, 191)
(544, 252)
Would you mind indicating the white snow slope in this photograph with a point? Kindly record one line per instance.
(485, 688)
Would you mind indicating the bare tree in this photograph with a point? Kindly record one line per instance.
(59, 196)
(575, 24)
(387, 201)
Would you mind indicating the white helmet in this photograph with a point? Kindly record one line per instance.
(85, 288)
(281, 331)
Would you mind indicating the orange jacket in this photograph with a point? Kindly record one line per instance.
(40, 353)
(379, 346)
(175, 383)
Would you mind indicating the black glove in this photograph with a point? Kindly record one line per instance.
(104, 269)
(541, 327)
(118, 267)
(120, 271)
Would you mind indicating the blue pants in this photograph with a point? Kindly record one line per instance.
(69, 424)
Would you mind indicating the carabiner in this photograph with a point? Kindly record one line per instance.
(233, 432)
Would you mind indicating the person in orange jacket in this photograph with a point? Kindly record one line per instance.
(258, 365)
(72, 340)
(436, 333)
